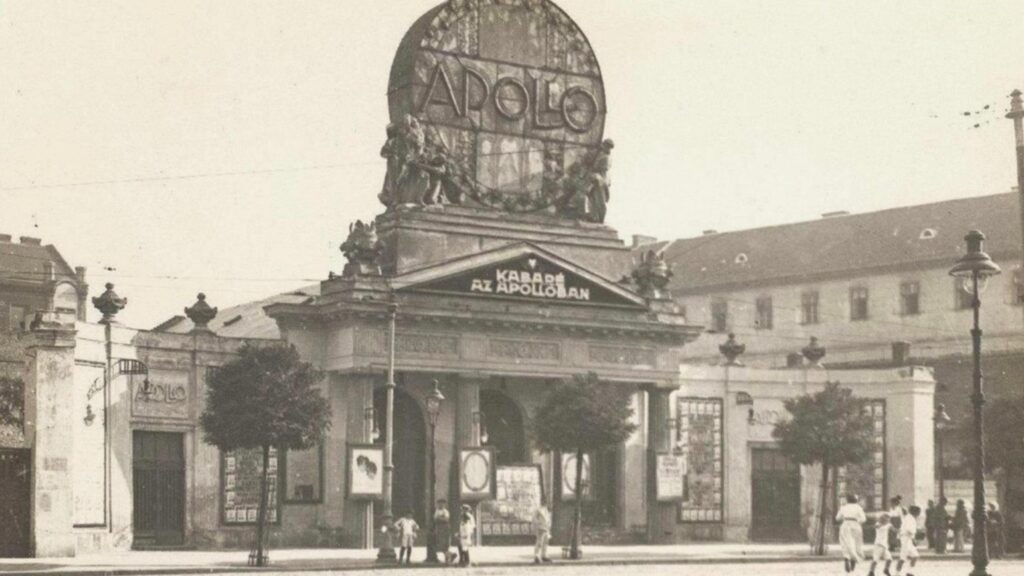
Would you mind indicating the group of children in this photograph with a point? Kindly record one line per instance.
(408, 530)
(895, 530)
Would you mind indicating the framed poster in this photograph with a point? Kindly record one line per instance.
(240, 486)
(519, 492)
(476, 474)
(365, 471)
(567, 467)
(670, 477)
(700, 436)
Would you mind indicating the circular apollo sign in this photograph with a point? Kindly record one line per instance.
(510, 87)
(476, 472)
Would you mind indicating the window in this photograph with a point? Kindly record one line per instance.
(18, 318)
(809, 308)
(719, 316)
(302, 475)
(910, 298)
(764, 313)
(858, 304)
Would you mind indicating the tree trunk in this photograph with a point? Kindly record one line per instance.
(577, 520)
(819, 545)
(261, 514)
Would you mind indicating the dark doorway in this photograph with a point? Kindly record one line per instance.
(775, 494)
(158, 468)
(15, 498)
(410, 453)
(503, 428)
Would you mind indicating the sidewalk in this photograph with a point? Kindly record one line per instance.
(307, 560)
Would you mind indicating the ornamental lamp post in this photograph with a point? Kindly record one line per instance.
(386, 551)
(976, 267)
(434, 401)
(942, 421)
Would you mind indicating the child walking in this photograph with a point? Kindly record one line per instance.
(467, 528)
(881, 549)
(407, 529)
(908, 532)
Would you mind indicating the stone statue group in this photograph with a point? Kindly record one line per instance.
(422, 171)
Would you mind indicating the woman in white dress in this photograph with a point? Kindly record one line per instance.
(851, 534)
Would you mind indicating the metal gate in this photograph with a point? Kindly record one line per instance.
(159, 489)
(775, 497)
(15, 502)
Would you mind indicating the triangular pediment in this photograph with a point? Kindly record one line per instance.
(519, 272)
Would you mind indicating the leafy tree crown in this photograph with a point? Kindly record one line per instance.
(830, 427)
(583, 414)
(265, 397)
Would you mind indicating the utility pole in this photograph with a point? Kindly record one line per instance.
(1017, 115)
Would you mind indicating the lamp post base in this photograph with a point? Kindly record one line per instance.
(386, 556)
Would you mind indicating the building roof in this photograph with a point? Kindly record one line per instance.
(26, 261)
(843, 245)
(245, 320)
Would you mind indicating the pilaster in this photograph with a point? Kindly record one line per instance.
(50, 407)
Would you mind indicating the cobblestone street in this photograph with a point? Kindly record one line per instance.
(935, 568)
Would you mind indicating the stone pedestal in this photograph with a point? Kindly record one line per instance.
(414, 238)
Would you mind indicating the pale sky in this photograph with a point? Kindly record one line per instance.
(225, 146)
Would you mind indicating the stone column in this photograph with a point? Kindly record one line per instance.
(634, 455)
(49, 405)
(661, 517)
(357, 396)
(467, 431)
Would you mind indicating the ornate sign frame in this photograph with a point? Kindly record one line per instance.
(368, 459)
(481, 486)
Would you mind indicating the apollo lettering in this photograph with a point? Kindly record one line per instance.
(513, 99)
(530, 284)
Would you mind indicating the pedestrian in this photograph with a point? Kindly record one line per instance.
(996, 537)
(851, 535)
(940, 522)
(467, 527)
(407, 529)
(542, 533)
(929, 524)
(443, 530)
(880, 551)
(908, 533)
(961, 523)
(896, 514)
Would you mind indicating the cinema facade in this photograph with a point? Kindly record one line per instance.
(493, 265)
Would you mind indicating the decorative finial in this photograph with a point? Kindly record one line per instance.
(652, 275)
(732, 350)
(109, 304)
(201, 314)
(814, 352)
(362, 249)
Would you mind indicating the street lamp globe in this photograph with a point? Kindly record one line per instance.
(434, 401)
(975, 262)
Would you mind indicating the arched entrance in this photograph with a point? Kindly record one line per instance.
(409, 452)
(503, 426)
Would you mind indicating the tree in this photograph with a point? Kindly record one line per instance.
(12, 402)
(830, 428)
(580, 416)
(264, 398)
